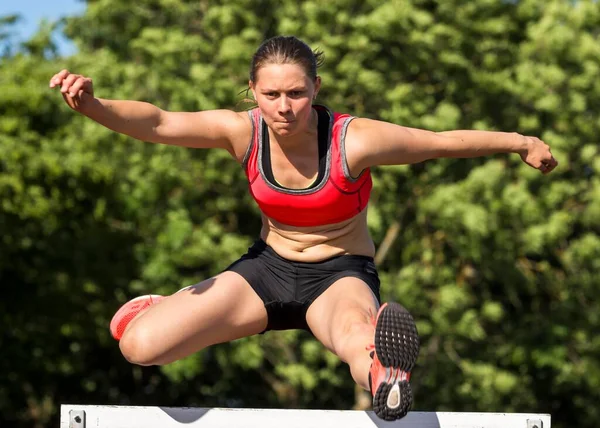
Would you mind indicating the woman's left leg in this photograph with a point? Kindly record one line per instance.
(342, 320)
(380, 346)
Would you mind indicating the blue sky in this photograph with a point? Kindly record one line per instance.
(33, 11)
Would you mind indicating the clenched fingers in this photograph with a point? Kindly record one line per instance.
(58, 78)
(80, 84)
(547, 165)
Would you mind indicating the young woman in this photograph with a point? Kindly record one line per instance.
(312, 268)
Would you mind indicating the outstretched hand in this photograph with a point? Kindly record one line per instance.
(537, 154)
(75, 88)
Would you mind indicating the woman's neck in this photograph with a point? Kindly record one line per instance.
(298, 141)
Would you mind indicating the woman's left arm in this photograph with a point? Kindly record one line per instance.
(371, 142)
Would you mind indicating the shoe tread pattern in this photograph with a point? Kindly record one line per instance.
(397, 347)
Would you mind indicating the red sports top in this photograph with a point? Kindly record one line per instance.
(335, 196)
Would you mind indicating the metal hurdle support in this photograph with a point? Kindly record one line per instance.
(82, 416)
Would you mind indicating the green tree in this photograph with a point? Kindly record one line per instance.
(6, 35)
(498, 264)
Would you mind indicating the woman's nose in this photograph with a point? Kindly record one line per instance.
(284, 105)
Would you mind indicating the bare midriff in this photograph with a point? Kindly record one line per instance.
(314, 244)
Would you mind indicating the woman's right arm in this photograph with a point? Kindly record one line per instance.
(146, 122)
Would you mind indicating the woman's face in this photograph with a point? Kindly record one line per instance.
(284, 94)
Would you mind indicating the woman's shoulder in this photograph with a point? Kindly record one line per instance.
(241, 132)
(235, 126)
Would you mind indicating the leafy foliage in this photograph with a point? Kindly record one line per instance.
(499, 264)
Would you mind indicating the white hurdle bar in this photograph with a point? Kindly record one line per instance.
(81, 416)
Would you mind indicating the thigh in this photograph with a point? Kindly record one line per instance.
(217, 310)
(346, 303)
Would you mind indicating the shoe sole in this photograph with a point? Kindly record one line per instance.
(397, 348)
(126, 308)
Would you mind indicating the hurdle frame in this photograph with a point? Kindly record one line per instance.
(91, 416)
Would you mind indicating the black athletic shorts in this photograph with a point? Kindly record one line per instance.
(288, 288)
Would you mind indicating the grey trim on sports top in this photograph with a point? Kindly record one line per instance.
(343, 157)
(249, 148)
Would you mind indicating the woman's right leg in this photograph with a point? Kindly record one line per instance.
(217, 310)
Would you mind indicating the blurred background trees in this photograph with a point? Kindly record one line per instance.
(499, 264)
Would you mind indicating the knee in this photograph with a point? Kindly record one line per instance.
(353, 336)
(137, 347)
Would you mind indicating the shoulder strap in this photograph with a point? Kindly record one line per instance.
(254, 116)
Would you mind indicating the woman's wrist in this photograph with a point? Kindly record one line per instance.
(519, 143)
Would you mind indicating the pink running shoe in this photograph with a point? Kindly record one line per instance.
(396, 348)
(128, 311)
